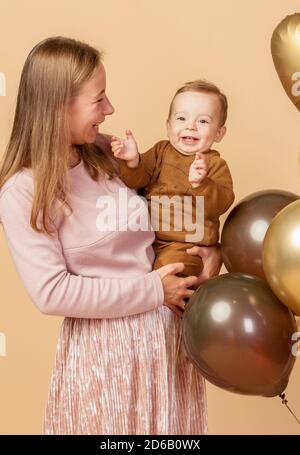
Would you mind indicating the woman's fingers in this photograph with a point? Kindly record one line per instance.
(190, 281)
(176, 289)
(177, 311)
(189, 293)
(170, 269)
(194, 251)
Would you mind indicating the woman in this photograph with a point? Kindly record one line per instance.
(115, 369)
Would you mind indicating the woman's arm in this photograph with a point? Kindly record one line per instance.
(41, 265)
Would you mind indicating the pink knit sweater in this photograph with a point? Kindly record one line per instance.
(89, 269)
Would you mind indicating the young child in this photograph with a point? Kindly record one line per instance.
(185, 165)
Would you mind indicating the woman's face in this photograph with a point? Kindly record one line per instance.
(89, 109)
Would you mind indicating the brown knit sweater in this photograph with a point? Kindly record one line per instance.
(163, 171)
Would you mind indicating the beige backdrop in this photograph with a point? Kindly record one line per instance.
(151, 48)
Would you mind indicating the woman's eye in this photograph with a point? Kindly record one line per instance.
(99, 101)
(181, 118)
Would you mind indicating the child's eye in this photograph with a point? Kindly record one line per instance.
(180, 118)
(203, 121)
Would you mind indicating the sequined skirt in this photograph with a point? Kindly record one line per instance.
(124, 376)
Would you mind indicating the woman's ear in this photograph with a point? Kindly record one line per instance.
(220, 134)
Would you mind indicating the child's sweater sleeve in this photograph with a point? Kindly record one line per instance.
(41, 265)
(142, 175)
(216, 187)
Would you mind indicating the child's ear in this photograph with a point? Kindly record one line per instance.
(220, 134)
(167, 126)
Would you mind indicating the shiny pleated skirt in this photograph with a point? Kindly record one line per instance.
(124, 376)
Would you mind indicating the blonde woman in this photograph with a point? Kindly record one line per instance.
(115, 369)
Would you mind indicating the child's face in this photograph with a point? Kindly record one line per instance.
(89, 109)
(194, 124)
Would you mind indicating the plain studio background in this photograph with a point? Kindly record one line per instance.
(151, 48)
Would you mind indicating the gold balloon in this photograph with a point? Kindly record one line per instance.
(281, 256)
(285, 48)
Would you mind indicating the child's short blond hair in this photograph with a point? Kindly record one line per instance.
(204, 86)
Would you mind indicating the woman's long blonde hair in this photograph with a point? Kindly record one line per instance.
(53, 75)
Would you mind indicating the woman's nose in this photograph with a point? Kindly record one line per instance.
(109, 109)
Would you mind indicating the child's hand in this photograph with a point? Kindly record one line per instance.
(198, 170)
(126, 149)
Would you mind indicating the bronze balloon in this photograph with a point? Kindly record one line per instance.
(239, 335)
(285, 48)
(281, 256)
(245, 228)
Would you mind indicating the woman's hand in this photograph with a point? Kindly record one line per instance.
(176, 288)
(212, 261)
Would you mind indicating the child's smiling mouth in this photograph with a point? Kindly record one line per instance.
(189, 139)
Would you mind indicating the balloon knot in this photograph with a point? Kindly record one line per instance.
(282, 396)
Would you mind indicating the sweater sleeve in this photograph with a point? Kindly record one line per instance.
(216, 187)
(140, 176)
(41, 265)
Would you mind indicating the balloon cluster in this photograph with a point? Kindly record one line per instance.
(235, 329)
(238, 328)
(261, 237)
